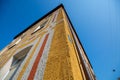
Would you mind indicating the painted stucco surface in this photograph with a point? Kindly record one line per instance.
(53, 55)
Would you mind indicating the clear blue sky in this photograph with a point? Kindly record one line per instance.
(97, 23)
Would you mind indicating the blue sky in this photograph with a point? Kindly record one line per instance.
(97, 23)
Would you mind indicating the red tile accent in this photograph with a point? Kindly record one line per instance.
(35, 65)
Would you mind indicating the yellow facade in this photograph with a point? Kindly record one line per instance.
(54, 54)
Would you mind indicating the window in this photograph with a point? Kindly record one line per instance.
(39, 27)
(69, 38)
(18, 58)
(18, 41)
(23, 35)
(11, 46)
(21, 54)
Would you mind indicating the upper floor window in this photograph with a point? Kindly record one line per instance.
(39, 27)
(18, 41)
(11, 46)
(23, 35)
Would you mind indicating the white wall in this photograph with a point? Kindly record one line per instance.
(5, 69)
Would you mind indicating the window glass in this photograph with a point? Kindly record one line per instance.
(39, 27)
(23, 35)
(18, 41)
(18, 58)
(11, 46)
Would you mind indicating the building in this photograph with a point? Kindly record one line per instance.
(49, 49)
